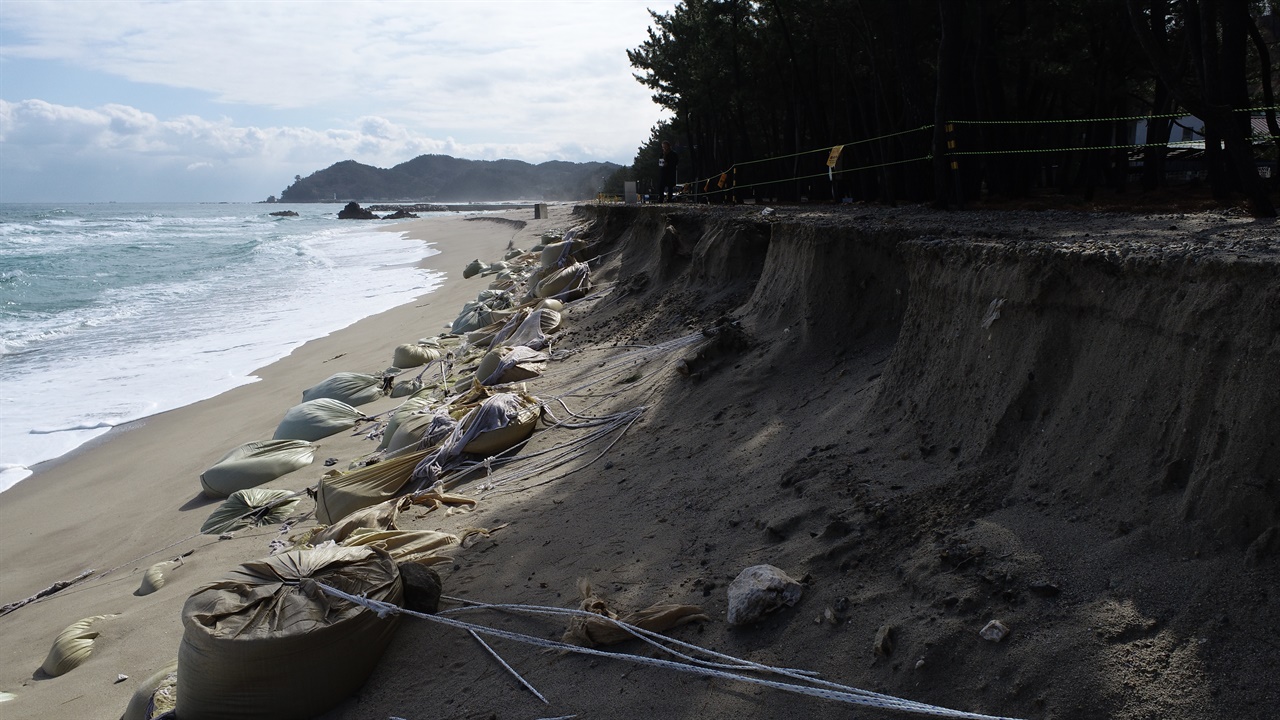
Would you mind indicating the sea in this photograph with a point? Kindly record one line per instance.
(113, 312)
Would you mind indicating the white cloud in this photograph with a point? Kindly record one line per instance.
(42, 138)
(379, 83)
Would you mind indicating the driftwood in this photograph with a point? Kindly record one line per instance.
(54, 588)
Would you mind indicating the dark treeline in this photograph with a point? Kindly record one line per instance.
(767, 87)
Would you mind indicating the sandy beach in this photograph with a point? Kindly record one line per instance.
(1058, 422)
(133, 498)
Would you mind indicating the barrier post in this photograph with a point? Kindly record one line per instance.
(955, 164)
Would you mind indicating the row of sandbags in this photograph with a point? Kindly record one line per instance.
(265, 641)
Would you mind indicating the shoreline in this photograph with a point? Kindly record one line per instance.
(127, 499)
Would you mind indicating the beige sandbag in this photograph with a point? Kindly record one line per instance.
(569, 283)
(410, 405)
(316, 419)
(472, 269)
(72, 647)
(255, 463)
(155, 577)
(341, 495)
(510, 364)
(549, 304)
(499, 423)
(348, 387)
(559, 254)
(418, 546)
(264, 643)
(154, 696)
(246, 508)
(424, 431)
(406, 388)
(375, 517)
(590, 632)
(531, 330)
(412, 355)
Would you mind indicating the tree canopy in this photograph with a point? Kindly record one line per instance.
(1018, 94)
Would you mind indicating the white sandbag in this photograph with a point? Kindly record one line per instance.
(348, 387)
(405, 388)
(264, 643)
(316, 419)
(154, 696)
(560, 254)
(255, 463)
(532, 331)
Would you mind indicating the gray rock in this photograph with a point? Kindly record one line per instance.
(759, 590)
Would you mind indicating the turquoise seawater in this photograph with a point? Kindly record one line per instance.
(112, 312)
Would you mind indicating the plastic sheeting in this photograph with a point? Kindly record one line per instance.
(264, 643)
(348, 387)
(255, 463)
(250, 507)
(316, 419)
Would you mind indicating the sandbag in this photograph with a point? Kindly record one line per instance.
(246, 508)
(406, 387)
(154, 696)
(418, 546)
(409, 406)
(316, 419)
(566, 284)
(71, 648)
(531, 332)
(423, 431)
(472, 269)
(348, 387)
(255, 463)
(499, 423)
(414, 354)
(340, 495)
(559, 254)
(264, 643)
(154, 577)
(375, 517)
(510, 364)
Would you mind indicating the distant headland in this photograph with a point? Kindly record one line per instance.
(444, 179)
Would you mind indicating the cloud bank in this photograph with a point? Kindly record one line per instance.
(379, 83)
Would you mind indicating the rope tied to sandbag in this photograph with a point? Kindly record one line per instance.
(818, 688)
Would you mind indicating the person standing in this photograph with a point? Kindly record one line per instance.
(667, 163)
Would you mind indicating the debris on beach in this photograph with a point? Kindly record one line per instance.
(593, 632)
(758, 591)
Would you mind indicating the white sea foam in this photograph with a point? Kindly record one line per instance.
(193, 331)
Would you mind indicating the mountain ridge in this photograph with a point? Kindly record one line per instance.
(441, 178)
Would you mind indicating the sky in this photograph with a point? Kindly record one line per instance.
(183, 100)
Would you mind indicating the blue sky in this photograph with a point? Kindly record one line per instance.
(211, 101)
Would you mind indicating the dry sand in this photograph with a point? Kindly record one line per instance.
(1065, 421)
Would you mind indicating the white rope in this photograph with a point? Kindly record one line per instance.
(509, 669)
(846, 694)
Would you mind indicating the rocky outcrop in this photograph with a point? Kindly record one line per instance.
(353, 211)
